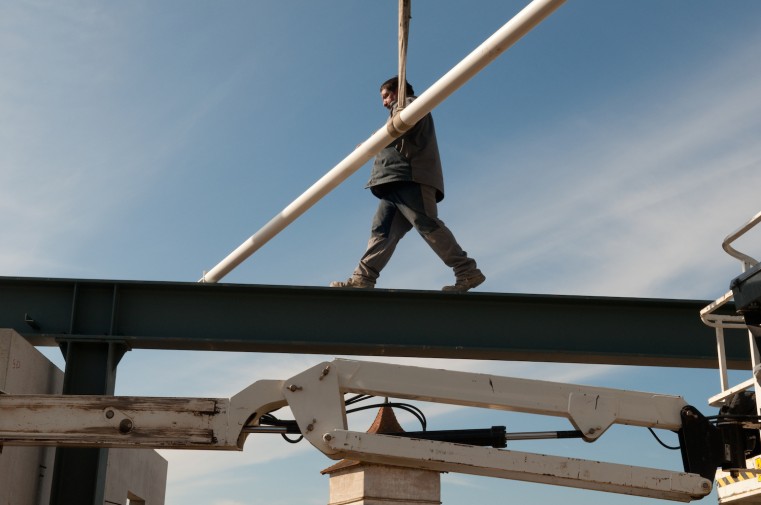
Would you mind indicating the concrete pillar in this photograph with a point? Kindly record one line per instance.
(358, 483)
(371, 484)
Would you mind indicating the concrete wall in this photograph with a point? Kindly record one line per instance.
(26, 473)
(137, 474)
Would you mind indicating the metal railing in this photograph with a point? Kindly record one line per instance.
(721, 321)
(748, 262)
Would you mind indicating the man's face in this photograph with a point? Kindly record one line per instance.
(388, 97)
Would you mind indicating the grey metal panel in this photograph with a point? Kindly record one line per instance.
(256, 318)
(747, 290)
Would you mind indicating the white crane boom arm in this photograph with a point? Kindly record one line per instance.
(316, 398)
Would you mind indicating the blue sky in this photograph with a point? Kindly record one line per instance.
(608, 153)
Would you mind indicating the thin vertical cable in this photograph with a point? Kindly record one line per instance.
(404, 29)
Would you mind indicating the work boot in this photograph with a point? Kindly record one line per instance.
(463, 284)
(353, 282)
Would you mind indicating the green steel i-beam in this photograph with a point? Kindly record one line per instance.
(255, 318)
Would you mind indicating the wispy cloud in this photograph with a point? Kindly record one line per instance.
(630, 201)
(90, 122)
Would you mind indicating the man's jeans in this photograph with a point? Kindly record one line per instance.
(404, 205)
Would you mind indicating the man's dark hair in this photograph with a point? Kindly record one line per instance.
(393, 85)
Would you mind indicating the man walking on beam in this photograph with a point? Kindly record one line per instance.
(407, 178)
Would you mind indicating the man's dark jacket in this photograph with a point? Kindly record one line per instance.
(412, 157)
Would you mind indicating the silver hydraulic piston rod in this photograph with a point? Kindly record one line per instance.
(499, 42)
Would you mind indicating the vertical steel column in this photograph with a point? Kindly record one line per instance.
(79, 475)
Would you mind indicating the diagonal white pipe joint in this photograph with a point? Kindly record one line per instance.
(396, 127)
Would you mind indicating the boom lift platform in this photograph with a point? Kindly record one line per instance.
(740, 401)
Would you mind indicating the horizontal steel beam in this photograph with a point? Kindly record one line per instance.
(256, 318)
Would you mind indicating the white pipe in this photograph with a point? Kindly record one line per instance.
(509, 34)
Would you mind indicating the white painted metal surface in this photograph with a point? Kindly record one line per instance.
(590, 409)
(123, 421)
(487, 52)
(529, 467)
(100, 421)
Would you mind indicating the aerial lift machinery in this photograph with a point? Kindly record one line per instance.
(316, 399)
(727, 443)
(741, 485)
